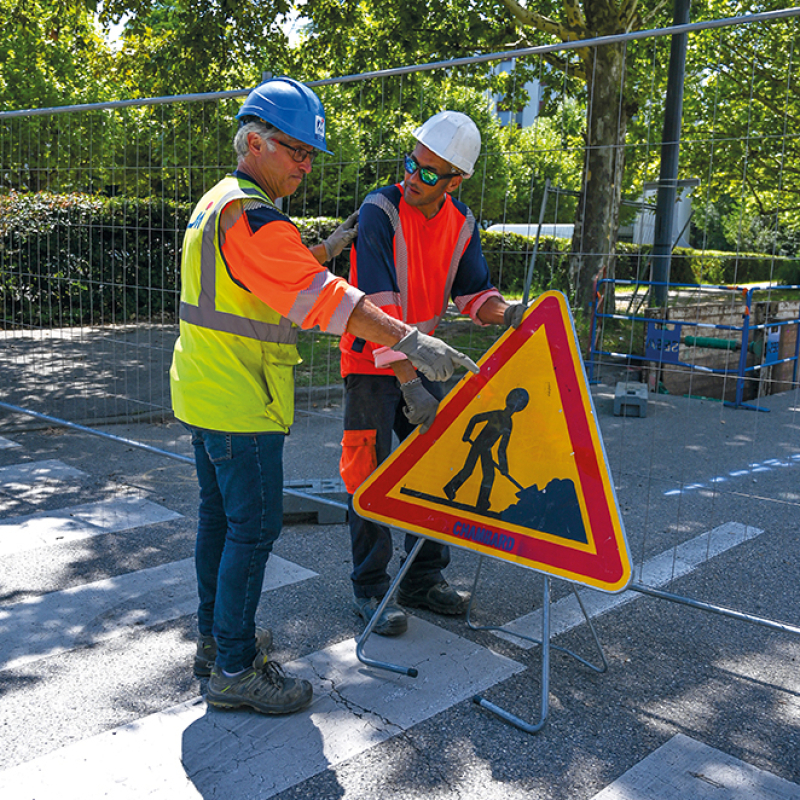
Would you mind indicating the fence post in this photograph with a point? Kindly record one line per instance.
(743, 352)
(670, 149)
(796, 350)
(592, 348)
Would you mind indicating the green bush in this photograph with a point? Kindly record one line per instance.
(509, 256)
(719, 268)
(79, 259)
(83, 260)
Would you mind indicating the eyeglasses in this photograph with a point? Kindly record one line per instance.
(299, 154)
(427, 175)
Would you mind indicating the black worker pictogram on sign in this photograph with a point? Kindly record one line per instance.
(513, 465)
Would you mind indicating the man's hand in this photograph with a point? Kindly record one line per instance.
(341, 237)
(512, 315)
(432, 357)
(420, 405)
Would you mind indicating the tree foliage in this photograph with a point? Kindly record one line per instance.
(426, 31)
(188, 46)
(598, 132)
(50, 55)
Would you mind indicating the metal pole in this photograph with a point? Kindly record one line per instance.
(529, 277)
(157, 450)
(94, 432)
(513, 719)
(412, 672)
(670, 148)
(724, 612)
(743, 354)
(599, 41)
(796, 350)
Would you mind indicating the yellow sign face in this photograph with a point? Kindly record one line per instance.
(513, 465)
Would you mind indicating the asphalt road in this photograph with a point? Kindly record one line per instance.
(97, 633)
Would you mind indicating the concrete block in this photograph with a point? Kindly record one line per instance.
(323, 498)
(630, 399)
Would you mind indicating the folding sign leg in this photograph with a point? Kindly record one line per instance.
(516, 721)
(371, 662)
(601, 668)
(546, 645)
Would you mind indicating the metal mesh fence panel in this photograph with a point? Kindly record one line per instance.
(94, 202)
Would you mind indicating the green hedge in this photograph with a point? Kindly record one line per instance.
(79, 259)
(509, 256)
(726, 269)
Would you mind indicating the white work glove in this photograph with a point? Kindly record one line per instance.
(341, 237)
(421, 405)
(432, 357)
(512, 316)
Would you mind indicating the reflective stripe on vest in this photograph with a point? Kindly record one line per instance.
(401, 262)
(205, 313)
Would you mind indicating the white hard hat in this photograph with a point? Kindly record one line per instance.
(454, 137)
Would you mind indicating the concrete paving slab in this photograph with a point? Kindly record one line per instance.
(684, 769)
(6, 444)
(191, 751)
(69, 524)
(95, 612)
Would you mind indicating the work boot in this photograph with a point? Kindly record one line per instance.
(392, 621)
(441, 598)
(263, 687)
(206, 653)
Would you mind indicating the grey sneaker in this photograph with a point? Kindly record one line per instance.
(441, 598)
(264, 687)
(392, 622)
(206, 653)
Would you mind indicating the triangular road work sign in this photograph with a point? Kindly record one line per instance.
(513, 466)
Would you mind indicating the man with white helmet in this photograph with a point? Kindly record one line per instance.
(417, 248)
(247, 282)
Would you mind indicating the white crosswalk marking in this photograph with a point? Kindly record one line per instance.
(684, 768)
(16, 475)
(172, 753)
(79, 522)
(94, 612)
(566, 613)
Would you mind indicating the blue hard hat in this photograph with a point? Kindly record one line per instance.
(291, 107)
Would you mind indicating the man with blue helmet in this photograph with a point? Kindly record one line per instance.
(247, 283)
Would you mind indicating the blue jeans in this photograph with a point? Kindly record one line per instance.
(240, 517)
(375, 402)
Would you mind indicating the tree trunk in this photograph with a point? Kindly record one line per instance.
(597, 218)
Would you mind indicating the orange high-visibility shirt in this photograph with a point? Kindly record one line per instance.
(411, 267)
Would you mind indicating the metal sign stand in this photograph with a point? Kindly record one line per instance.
(412, 672)
(371, 662)
(516, 721)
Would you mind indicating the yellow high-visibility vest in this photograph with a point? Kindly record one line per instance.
(233, 364)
